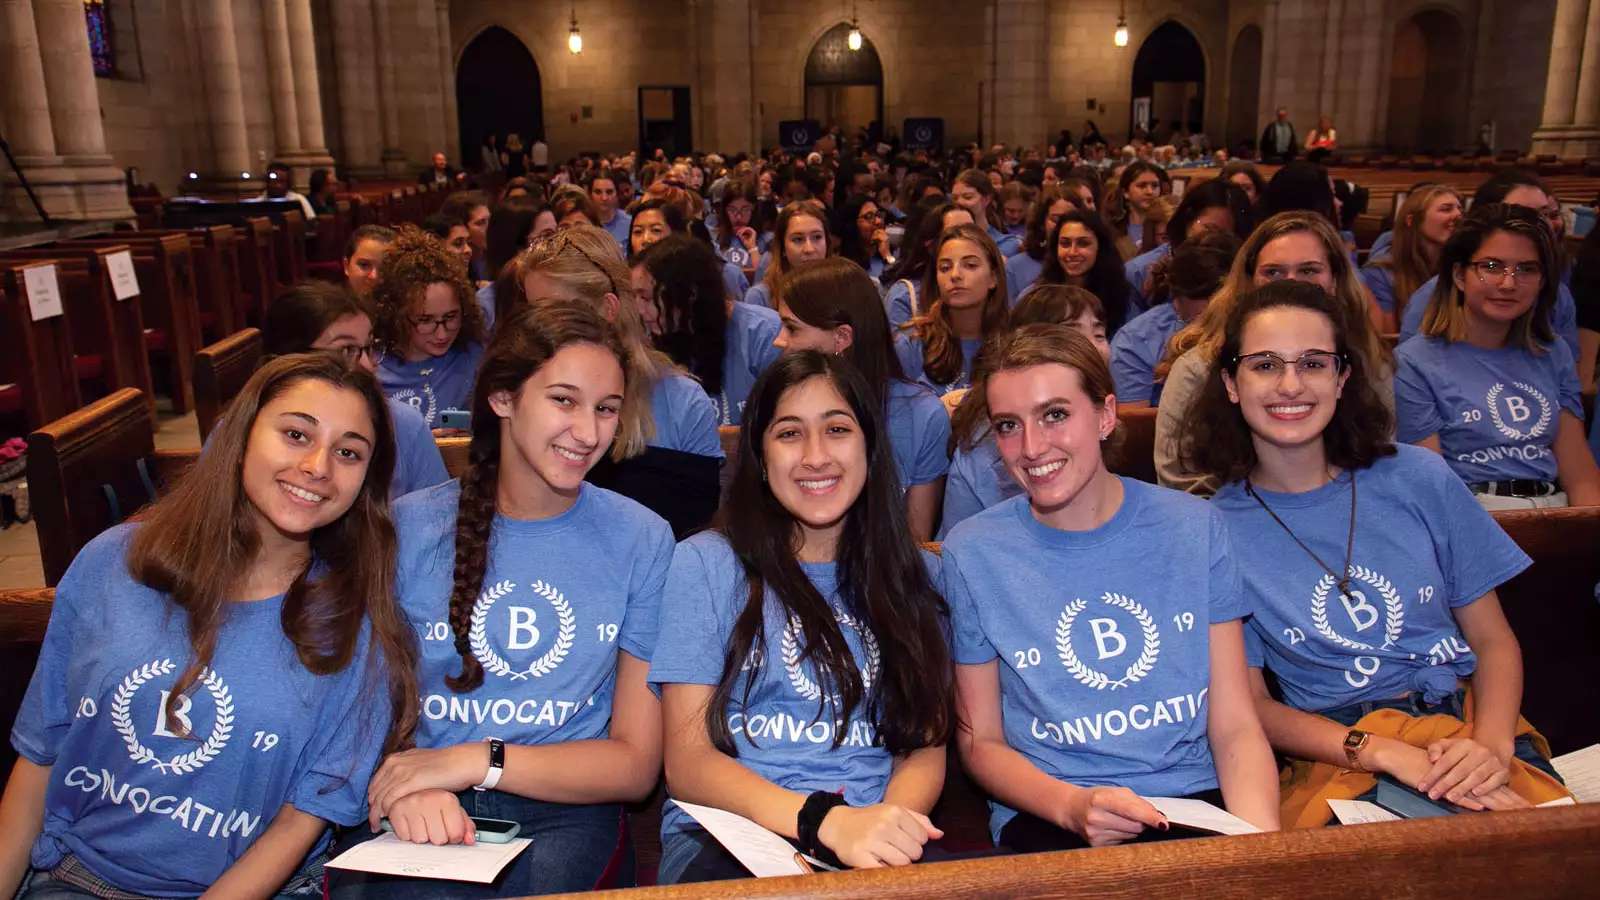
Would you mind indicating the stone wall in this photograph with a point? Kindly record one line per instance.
(1008, 70)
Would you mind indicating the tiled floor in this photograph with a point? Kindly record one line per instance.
(19, 544)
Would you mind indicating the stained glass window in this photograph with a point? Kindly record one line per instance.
(98, 20)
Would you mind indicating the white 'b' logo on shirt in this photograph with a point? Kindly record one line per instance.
(521, 631)
(1359, 610)
(183, 763)
(1109, 642)
(1524, 424)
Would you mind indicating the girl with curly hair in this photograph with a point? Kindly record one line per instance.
(430, 325)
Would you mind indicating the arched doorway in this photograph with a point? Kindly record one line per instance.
(1169, 82)
(1427, 84)
(1244, 87)
(497, 92)
(844, 87)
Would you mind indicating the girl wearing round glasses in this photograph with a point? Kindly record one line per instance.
(1486, 382)
(1370, 570)
(430, 324)
(316, 315)
(1297, 246)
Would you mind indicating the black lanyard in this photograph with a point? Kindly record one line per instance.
(1342, 577)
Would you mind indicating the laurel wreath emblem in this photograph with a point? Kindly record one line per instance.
(1511, 431)
(1394, 612)
(477, 637)
(790, 647)
(184, 763)
(1136, 671)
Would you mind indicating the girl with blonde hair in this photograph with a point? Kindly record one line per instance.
(667, 455)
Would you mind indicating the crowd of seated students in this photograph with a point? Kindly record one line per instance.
(316, 634)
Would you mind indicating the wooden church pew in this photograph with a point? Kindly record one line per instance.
(167, 282)
(220, 370)
(107, 334)
(1547, 853)
(90, 470)
(37, 378)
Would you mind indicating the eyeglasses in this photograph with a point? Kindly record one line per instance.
(1494, 271)
(432, 324)
(1311, 366)
(876, 216)
(353, 352)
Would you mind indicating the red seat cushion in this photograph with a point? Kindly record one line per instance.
(10, 399)
(155, 339)
(89, 366)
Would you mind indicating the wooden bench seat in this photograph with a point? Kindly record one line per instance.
(220, 371)
(38, 381)
(1545, 853)
(107, 334)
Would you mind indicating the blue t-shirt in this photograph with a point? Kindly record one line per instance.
(759, 295)
(1380, 247)
(734, 281)
(163, 815)
(747, 353)
(417, 463)
(1496, 412)
(1380, 281)
(899, 301)
(1022, 271)
(978, 479)
(1563, 316)
(908, 346)
(1135, 232)
(1138, 272)
(1009, 244)
(686, 419)
(1137, 349)
(486, 304)
(919, 432)
(1102, 636)
(435, 384)
(621, 229)
(560, 597)
(1423, 548)
(793, 737)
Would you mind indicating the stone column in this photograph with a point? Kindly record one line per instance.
(230, 142)
(1586, 111)
(1022, 83)
(447, 85)
(1561, 82)
(307, 88)
(24, 108)
(394, 159)
(90, 186)
(728, 65)
(359, 116)
(280, 76)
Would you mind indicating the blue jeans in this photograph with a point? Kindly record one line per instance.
(1413, 704)
(72, 880)
(571, 848)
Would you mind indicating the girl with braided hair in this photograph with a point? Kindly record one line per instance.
(534, 594)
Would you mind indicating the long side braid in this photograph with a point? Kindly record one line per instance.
(474, 523)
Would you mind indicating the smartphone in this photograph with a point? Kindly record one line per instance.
(459, 419)
(490, 831)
